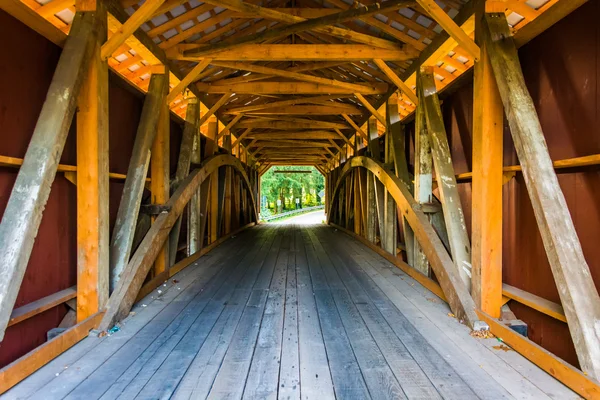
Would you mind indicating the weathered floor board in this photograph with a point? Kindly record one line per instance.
(290, 312)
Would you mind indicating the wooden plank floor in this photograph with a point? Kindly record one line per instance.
(290, 312)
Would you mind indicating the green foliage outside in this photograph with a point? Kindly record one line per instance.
(288, 187)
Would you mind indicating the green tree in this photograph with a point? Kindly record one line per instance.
(288, 187)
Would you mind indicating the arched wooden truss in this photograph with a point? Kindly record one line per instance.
(454, 289)
(132, 278)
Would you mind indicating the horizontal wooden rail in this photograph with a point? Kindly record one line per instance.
(538, 303)
(16, 162)
(585, 161)
(21, 368)
(39, 306)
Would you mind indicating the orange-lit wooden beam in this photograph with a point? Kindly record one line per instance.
(486, 236)
(93, 234)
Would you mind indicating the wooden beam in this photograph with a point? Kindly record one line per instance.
(241, 137)
(459, 299)
(562, 371)
(301, 135)
(195, 209)
(306, 25)
(451, 27)
(578, 295)
(403, 87)
(442, 159)
(23, 213)
(263, 12)
(230, 125)
(310, 110)
(369, 107)
(93, 232)
(284, 88)
(389, 238)
(356, 127)
(137, 269)
(360, 88)
(423, 175)
(189, 78)
(279, 104)
(190, 131)
(33, 20)
(214, 108)
(297, 124)
(536, 302)
(397, 139)
(141, 15)
(124, 229)
(486, 231)
(39, 306)
(23, 367)
(160, 173)
(304, 52)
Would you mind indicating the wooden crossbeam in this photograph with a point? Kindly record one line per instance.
(242, 136)
(279, 104)
(369, 107)
(436, 12)
(230, 125)
(214, 108)
(397, 81)
(360, 88)
(304, 52)
(262, 124)
(189, 78)
(313, 134)
(355, 127)
(263, 12)
(284, 88)
(310, 110)
(305, 25)
(578, 295)
(133, 23)
(23, 213)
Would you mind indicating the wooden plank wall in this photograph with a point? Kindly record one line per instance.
(53, 263)
(566, 96)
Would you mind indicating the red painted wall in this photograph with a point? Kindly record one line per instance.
(562, 73)
(24, 80)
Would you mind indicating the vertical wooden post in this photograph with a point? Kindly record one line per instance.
(190, 131)
(124, 229)
(389, 240)
(23, 213)
(378, 189)
(578, 295)
(213, 213)
(395, 130)
(423, 174)
(195, 210)
(228, 189)
(446, 179)
(93, 233)
(159, 173)
(486, 235)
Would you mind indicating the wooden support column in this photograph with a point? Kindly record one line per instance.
(395, 129)
(378, 189)
(93, 234)
(423, 174)
(227, 190)
(23, 213)
(486, 235)
(124, 229)
(446, 179)
(357, 203)
(190, 131)
(389, 241)
(195, 210)
(159, 172)
(213, 213)
(578, 295)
